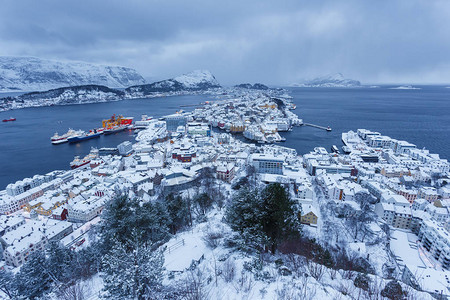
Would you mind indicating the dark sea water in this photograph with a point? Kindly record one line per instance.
(25, 144)
(418, 116)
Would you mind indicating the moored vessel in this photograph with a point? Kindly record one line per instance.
(57, 139)
(84, 136)
(114, 129)
(81, 162)
(334, 149)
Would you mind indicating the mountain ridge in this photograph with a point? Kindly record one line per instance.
(36, 74)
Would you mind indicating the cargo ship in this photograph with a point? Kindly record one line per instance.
(116, 124)
(115, 129)
(84, 136)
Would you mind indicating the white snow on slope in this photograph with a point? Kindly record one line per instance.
(194, 78)
(35, 74)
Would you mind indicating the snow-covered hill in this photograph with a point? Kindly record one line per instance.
(35, 74)
(332, 80)
(193, 81)
(68, 95)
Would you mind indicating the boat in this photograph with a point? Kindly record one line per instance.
(9, 120)
(117, 121)
(78, 163)
(334, 149)
(328, 128)
(84, 136)
(114, 129)
(346, 149)
(57, 139)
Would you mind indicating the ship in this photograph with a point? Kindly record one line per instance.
(114, 129)
(346, 149)
(78, 162)
(9, 120)
(116, 124)
(57, 139)
(84, 136)
(334, 149)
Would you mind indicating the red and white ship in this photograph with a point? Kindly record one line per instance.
(9, 120)
(80, 162)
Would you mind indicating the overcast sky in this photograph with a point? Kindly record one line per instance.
(273, 42)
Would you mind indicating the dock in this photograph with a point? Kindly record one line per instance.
(194, 105)
(317, 126)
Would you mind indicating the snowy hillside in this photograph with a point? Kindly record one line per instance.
(193, 81)
(70, 95)
(34, 74)
(332, 80)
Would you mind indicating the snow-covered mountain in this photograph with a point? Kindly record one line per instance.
(35, 74)
(332, 80)
(193, 81)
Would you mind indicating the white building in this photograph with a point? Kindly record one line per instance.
(395, 210)
(33, 235)
(436, 239)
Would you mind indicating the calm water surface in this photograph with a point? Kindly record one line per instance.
(418, 116)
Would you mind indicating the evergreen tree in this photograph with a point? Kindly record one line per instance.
(59, 263)
(7, 284)
(278, 218)
(86, 262)
(178, 211)
(132, 274)
(33, 279)
(204, 203)
(266, 217)
(123, 217)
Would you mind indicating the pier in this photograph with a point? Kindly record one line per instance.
(190, 105)
(317, 126)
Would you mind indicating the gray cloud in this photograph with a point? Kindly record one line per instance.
(274, 43)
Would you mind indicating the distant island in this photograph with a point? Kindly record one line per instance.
(329, 81)
(405, 87)
(197, 81)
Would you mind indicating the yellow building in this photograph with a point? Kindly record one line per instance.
(308, 214)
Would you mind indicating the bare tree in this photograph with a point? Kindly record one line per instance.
(194, 286)
(73, 292)
(229, 270)
(315, 270)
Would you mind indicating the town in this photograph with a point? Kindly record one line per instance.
(386, 200)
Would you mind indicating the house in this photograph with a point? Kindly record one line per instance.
(225, 172)
(308, 214)
(60, 213)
